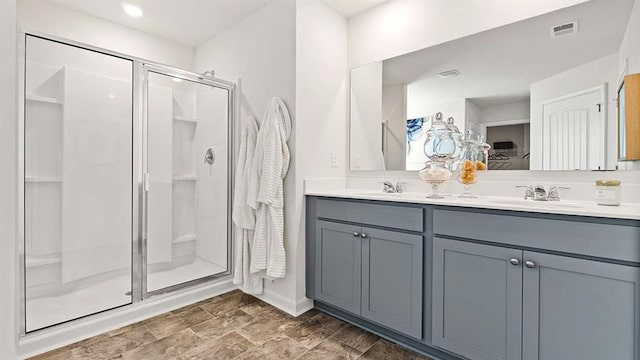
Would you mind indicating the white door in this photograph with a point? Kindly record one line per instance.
(573, 131)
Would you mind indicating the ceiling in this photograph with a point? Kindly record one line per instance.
(191, 22)
(503, 62)
(188, 22)
(349, 8)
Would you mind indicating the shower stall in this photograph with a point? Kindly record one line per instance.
(125, 180)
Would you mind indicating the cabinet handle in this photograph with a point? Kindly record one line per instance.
(364, 236)
(530, 264)
(514, 261)
(356, 234)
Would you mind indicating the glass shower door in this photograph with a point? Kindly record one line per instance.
(188, 180)
(78, 190)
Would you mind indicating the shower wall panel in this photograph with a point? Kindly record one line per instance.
(97, 196)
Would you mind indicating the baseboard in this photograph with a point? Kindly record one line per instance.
(62, 335)
(292, 308)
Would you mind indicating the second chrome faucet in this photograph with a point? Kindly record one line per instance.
(388, 187)
(538, 193)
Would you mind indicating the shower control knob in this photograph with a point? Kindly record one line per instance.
(209, 156)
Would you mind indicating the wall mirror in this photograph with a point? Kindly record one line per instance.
(543, 92)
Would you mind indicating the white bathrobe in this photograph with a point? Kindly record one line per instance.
(266, 191)
(244, 217)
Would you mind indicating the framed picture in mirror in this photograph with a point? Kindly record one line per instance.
(629, 118)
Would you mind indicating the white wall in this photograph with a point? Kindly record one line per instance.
(8, 180)
(512, 111)
(472, 118)
(401, 26)
(417, 108)
(260, 51)
(297, 51)
(598, 72)
(321, 107)
(48, 18)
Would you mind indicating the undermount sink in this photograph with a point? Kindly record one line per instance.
(538, 204)
(380, 193)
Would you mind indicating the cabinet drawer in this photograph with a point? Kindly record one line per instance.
(389, 216)
(610, 241)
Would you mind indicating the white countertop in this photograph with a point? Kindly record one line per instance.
(579, 208)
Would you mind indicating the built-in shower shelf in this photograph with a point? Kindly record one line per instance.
(32, 262)
(184, 238)
(42, 179)
(185, 178)
(186, 119)
(44, 99)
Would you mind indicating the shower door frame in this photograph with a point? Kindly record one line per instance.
(139, 86)
(144, 68)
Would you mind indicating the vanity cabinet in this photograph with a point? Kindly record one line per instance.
(579, 309)
(477, 300)
(392, 280)
(488, 300)
(374, 273)
(480, 284)
(338, 266)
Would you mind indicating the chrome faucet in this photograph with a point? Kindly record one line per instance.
(554, 193)
(400, 186)
(388, 187)
(528, 194)
(538, 193)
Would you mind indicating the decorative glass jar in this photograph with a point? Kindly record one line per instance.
(457, 136)
(435, 173)
(482, 160)
(439, 145)
(468, 157)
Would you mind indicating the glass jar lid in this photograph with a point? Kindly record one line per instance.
(608, 182)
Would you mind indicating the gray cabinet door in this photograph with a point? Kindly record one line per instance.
(338, 265)
(477, 300)
(392, 280)
(580, 309)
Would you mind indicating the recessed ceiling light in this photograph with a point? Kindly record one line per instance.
(177, 79)
(132, 10)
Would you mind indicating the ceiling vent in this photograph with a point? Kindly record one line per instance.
(564, 29)
(449, 73)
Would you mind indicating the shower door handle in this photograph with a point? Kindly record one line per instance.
(145, 182)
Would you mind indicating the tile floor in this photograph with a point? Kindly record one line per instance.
(234, 326)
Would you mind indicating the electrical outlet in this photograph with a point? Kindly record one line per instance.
(334, 159)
